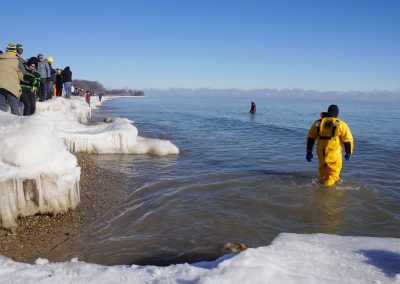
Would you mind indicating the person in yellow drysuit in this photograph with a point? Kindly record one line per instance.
(332, 134)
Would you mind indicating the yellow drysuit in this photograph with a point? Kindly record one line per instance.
(332, 134)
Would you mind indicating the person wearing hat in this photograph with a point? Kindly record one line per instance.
(10, 76)
(44, 71)
(22, 62)
(332, 134)
(29, 86)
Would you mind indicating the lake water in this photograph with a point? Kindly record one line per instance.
(241, 178)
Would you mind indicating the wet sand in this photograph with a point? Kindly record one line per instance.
(38, 235)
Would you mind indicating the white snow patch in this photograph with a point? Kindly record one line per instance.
(291, 258)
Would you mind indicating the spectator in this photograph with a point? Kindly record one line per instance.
(59, 83)
(50, 83)
(72, 90)
(10, 76)
(67, 79)
(88, 97)
(100, 96)
(22, 62)
(29, 86)
(44, 71)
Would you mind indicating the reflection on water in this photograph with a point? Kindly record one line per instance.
(238, 178)
(328, 206)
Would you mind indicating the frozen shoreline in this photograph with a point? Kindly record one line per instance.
(40, 235)
(38, 173)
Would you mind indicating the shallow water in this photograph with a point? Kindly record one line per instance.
(240, 178)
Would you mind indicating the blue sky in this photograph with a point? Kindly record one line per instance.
(311, 44)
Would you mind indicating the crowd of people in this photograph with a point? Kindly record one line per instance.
(24, 81)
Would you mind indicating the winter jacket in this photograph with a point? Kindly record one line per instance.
(52, 73)
(31, 79)
(67, 75)
(59, 81)
(22, 63)
(10, 75)
(44, 69)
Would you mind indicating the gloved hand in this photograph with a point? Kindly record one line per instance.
(309, 156)
(347, 157)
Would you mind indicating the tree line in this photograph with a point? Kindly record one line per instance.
(97, 87)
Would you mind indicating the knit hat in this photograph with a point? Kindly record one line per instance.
(32, 60)
(50, 59)
(40, 55)
(333, 110)
(19, 46)
(11, 48)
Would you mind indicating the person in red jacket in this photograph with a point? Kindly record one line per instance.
(253, 107)
(88, 97)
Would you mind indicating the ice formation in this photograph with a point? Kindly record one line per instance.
(37, 171)
(291, 258)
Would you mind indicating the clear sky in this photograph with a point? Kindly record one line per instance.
(310, 44)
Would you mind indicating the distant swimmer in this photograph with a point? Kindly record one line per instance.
(253, 108)
(332, 134)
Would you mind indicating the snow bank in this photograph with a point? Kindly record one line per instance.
(37, 171)
(75, 108)
(291, 258)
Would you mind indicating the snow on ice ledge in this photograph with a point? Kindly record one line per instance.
(38, 174)
(291, 258)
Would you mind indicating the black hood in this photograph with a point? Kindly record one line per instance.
(333, 110)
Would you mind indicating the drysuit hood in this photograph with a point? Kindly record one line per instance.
(333, 111)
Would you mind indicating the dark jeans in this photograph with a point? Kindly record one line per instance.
(43, 90)
(29, 100)
(7, 98)
(50, 91)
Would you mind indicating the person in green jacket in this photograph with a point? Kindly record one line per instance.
(29, 86)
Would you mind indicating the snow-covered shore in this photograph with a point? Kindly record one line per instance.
(38, 172)
(291, 258)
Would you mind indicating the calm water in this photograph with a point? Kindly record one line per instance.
(241, 178)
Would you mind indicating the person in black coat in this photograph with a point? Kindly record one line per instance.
(59, 83)
(67, 78)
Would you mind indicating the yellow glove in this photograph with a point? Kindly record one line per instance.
(34, 89)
